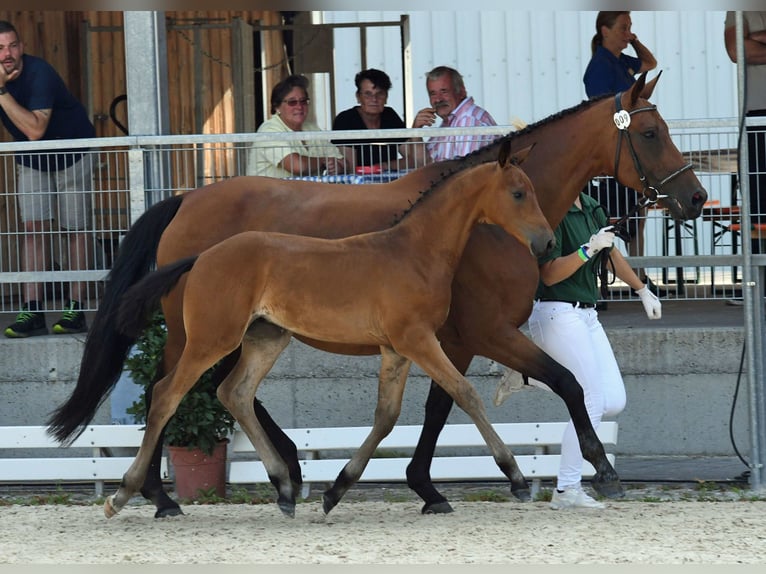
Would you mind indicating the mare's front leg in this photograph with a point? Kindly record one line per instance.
(261, 347)
(438, 406)
(391, 382)
(522, 354)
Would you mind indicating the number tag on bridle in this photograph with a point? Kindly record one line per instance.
(622, 120)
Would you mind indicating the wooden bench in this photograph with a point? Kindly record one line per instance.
(313, 443)
(97, 468)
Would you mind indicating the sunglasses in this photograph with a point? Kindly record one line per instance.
(295, 102)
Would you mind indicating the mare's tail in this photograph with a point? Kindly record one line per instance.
(105, 348)
(142, 298)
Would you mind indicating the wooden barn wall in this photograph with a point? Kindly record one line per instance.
(97, 76)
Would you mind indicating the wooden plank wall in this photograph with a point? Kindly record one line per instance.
(58, 37)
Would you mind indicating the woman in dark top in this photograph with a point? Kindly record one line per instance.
(372, 113)
(610, 70)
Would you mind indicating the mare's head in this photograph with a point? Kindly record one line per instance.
(512, 203)
(646, 159)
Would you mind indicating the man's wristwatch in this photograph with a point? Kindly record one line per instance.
(3, 90)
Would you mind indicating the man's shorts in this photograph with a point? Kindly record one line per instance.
(64, 195)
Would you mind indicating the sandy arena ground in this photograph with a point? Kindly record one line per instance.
(629, 531)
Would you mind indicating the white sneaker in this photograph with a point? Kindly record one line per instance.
(574, 497)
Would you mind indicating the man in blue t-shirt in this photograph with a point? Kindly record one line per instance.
(35, 104)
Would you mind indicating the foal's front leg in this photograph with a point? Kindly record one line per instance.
(426, 351)
(391, 381)
(261, 346)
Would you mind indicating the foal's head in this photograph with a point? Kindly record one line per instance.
(511, 201)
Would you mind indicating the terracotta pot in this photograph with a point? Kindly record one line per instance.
(196, 470)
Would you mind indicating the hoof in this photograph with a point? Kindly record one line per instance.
(287, 508)
(522, 494)
(110, 509)
(437, 508)
(611, 489)
(169, 512)
(327, 504)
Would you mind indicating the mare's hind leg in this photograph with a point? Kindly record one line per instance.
(392, 379)
(261, 346)
(425, 350)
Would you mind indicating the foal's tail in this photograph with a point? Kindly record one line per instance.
(142, 298)
(105, 348)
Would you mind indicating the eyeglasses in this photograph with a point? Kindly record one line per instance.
(380, 95)
(297, 102)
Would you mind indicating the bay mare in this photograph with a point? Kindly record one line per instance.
(492, 289)
(389, 289)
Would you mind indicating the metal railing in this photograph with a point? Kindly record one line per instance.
(698, 259)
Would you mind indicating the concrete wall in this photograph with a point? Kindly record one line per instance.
(680, 384)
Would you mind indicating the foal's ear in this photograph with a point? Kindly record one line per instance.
(506, 158)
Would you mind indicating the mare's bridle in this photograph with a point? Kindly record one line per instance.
(650, 194)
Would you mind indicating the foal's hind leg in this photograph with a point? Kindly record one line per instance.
(167, 394)
(392, 379)
(262, 345)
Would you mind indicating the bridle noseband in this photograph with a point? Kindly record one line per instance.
(650, 193)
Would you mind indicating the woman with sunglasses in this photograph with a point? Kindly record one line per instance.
(292, 158)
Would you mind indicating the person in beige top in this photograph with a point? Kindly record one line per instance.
(292, 158)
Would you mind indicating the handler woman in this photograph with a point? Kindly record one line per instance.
(564, 323)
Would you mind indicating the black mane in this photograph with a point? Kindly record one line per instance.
(490, 151)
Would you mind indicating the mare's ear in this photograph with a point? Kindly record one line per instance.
(516, 158)
(646, 93)
(636, 89)
(642, 89)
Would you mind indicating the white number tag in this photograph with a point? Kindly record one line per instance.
(622, 120)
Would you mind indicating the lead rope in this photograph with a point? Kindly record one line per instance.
(620, 228)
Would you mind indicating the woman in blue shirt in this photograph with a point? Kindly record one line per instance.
(611, 71)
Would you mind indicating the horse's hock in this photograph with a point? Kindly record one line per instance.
(680, 380)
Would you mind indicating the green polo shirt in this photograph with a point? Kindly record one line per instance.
(574, 230)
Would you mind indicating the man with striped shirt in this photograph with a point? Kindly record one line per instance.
(449, 101)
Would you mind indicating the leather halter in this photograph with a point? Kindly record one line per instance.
(651, 194)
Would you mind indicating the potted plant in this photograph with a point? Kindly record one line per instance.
(197, 434)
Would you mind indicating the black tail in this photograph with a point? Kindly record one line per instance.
(142, 299)
(105, 348)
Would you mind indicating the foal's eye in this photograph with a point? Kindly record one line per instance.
(518, 194)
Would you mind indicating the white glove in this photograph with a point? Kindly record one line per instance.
(604, 239)
(651, 303)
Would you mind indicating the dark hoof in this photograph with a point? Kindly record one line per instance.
(287, 508)
(328, 503)
(610, 489)
(168, 512)
(437, 508)
(522, 494)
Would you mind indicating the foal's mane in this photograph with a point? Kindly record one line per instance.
(489, 152)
